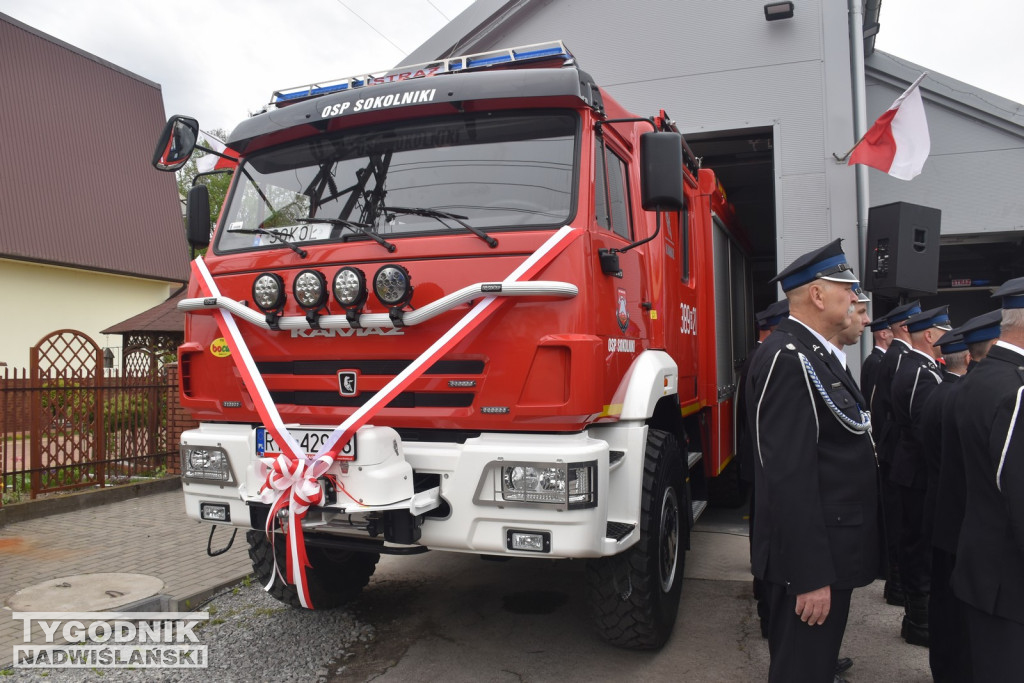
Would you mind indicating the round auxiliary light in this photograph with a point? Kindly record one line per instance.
(310, 289)
(392, 285)
(268, 292)
(350, 287)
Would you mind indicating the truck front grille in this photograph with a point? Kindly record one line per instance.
(367, 367)
(407, 399)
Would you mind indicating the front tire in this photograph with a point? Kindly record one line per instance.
(335, 578)
(634, 596)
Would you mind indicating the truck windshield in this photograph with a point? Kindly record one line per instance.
(491, 171)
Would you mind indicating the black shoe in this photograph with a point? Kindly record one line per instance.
(837, 679)
(842, 664)
(893, 593)
(914, 634)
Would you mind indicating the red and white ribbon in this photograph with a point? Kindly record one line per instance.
(485, 307)
(293, 483)
(290, 480)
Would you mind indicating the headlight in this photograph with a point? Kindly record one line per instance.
(350, 287)
(268, 292)
(310, 289)
(205, 463)
(572, 484)
(392, 285)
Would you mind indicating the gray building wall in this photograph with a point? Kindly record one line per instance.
(717, 65)
(714, 66)
(975, 170)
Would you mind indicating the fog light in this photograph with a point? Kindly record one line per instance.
(392, 285)
(205, 464)
(310, 290)
(528, 541)
(350, 287)
(268, 292)
(214, 513)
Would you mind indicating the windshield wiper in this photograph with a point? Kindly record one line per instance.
(269, 233)
(358, 228)
(440, 216)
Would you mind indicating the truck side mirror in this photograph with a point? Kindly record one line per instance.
(661, 171)
(176, 143)
(197, 216)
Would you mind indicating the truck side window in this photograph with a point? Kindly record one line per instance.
(611, 192)
(684, 241)
(600, 188)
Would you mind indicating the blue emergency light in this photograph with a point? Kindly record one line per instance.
(526, 53)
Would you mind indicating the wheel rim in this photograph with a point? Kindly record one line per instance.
(668, 539)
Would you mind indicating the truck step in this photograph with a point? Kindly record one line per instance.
(698, 507)
(692, 458)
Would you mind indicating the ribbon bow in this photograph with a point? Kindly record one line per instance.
(292, 482)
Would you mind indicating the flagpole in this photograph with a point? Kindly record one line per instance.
(850, 151)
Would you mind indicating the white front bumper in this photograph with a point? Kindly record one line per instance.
(476, 517)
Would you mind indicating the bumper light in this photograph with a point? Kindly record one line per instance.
(205, 463)
(572, 484)
(529, 541)
(215, 513)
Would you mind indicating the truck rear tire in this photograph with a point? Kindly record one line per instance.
(335, 578)
(634, 596)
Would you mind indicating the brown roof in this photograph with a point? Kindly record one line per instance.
(164, 317)
(76, 142)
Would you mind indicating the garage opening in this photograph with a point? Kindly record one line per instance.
(744, 162)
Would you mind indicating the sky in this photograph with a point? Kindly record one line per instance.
(220, 60)
(975, 42)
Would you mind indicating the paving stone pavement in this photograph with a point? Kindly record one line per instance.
(149, 535)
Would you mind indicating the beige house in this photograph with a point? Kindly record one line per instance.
(90, 234)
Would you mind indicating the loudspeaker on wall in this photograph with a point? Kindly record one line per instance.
(902, 255)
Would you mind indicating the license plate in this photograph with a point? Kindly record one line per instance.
(309, 440)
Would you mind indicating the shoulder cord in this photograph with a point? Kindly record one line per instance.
(849, 423)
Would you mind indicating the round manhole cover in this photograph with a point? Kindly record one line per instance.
(85, 593)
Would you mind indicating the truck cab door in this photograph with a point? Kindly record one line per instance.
(617, 305)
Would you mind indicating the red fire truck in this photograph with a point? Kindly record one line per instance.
(472, 305)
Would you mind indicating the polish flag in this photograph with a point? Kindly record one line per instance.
(898, 142)
(212, 162)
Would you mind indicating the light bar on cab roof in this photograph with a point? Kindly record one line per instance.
(526, 53)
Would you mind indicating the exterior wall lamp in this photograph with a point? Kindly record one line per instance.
(774, 11)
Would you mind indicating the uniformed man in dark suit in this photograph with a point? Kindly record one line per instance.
(950, 653)
(989, 572)
(767, 319)
(851, 334)
(880, 400)
(915, 379)
(816, 529)
(944, 633)
(980, 333)
(882, 336)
